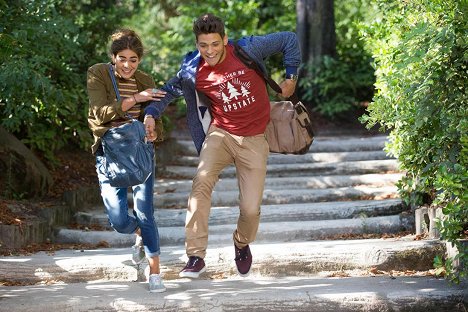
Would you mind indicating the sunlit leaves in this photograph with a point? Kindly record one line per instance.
(420, 53)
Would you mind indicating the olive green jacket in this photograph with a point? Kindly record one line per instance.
(103, 104)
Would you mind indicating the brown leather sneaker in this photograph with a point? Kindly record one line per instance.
(194, 267)
(243, 260)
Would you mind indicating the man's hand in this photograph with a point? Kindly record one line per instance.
(150, 128)
(287, 87)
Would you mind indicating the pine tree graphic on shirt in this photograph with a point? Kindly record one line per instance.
(226, 99)
(233, 93)
(245, 91)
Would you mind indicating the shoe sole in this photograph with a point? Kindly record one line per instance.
(243, 275)
(192, 274)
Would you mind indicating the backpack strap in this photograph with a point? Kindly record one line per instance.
(247, 60)
(299, 107)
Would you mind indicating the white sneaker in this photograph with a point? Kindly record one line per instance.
(138, 251)
(156, 283)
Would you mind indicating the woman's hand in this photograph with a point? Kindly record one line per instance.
(149, 95)
(150, 128)
(143, 96)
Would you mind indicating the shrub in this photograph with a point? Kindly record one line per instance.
(46, 48)
(420, 49)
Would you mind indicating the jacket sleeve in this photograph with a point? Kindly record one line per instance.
(102, 106)
(261, 47)
(172, 87)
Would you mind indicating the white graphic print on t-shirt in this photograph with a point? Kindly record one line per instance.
(235, 93)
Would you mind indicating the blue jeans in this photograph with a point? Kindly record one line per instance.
(115, 201)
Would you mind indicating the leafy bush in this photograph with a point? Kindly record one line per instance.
(421, 54)
(46, 48)
(37, 82)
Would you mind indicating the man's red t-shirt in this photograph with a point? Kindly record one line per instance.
(238, 95)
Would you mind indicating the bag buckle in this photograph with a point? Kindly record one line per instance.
(303, 118)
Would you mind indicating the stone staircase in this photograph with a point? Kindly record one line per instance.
(344, 186)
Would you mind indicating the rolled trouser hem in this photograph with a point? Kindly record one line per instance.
(153, 254)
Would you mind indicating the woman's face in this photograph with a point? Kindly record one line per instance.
(126, 63)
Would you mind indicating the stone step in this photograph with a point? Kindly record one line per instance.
(270, 260)
(307, 158)
(163, 186)
(270, 213)
(268, 231)
(309, 169)
(311, 294)
(320, 145)
(286, 196)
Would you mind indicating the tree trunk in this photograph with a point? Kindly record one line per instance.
(316, 29)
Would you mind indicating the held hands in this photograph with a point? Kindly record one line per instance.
(151, 94)
(150, 128)
(149, 122)
(287, 87)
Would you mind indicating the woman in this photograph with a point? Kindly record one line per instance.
(105, 111)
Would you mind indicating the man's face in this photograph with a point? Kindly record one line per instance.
(212, 47)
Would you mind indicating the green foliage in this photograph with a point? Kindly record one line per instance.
(168, 36)
(421, 54)
(37, 82)
(46, 47)
(337, 85)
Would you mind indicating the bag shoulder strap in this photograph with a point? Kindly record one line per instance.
(116, 89)
(247, 60)
(114, 83)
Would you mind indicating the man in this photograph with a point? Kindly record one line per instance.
(227, 112)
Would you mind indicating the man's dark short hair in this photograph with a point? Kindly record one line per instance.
(208, 24)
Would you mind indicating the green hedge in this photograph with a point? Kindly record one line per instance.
(421, 55)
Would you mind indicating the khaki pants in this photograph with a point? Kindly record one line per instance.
(220, 149)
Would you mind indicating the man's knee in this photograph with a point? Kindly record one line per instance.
(203, 183)
(250, 214)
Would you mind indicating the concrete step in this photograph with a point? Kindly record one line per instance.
(285, 196)
(270, 260)
(311, 294)
(306, 169)
(163, 186)
(307, 158)
(320, 145)
(270, 213)
(284, 231)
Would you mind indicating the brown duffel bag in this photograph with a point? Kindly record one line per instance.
(289, 130)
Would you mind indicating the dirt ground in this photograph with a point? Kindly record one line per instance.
(75, 169)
